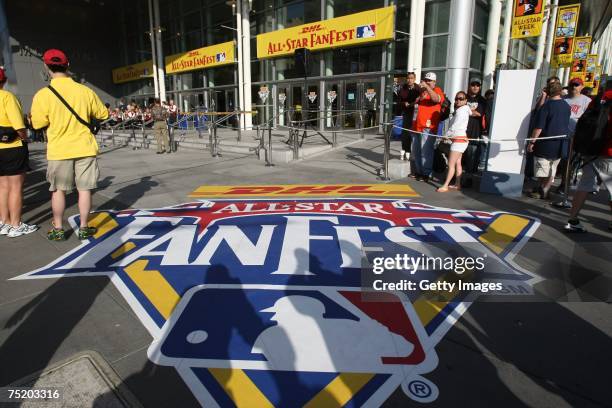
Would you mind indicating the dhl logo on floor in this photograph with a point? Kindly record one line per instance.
(307, 190)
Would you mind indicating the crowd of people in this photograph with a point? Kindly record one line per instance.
(424, 108)
(554, 133)
(563, 120)
(135, 115)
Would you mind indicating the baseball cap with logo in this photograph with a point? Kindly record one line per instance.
(475, 81)
(2, 75)
(55, 57)
(576, 81)
(430, 76)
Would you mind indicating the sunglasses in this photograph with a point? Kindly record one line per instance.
(460, 99)
(474, 84)
(574, 85)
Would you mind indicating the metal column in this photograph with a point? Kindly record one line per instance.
(153, 53)
(160, 52)
(460, 39)
(492, 39)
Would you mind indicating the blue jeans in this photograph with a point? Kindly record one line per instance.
(422, 153)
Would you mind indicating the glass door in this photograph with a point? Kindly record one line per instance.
(282, 101)
(312, 105)
(350, 106)
(370, 102)
(333, 104)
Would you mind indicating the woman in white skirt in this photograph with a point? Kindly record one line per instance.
(457, 134)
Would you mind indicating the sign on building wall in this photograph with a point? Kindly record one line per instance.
(133, 72)
(365, 27)
(582, 46)
(206, 57)
(527, 18)
(565, 31)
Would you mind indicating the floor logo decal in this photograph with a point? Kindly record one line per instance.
(310, 190)
(258, 303)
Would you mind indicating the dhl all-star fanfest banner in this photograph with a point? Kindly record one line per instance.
(133, 72)
(206, 57)
(259, 302)
(527, 18)
(358, 28)
(565, 31)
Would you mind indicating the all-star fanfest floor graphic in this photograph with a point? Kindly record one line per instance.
(257, 302)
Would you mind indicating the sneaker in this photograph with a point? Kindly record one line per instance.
(573, 225)
(56, 234)
(402, 153)
(87, 232)
(4, 229)
(22, 229)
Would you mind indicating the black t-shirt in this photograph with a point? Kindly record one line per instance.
(553, 118)
(474, 127)
(409, 95)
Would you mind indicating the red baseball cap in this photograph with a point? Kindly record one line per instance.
(55, 57)
(2, 75)
(576, 81)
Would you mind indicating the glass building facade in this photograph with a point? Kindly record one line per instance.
(349, 72)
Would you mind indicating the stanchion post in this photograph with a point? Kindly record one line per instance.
(210, 140)
(564, 203)
(296, 142)
(269, 151)
(239, 127)
(334, 139)
(385, 168)
(361, 125)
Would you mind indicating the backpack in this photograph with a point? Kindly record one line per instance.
(445, 108)
(591, 132)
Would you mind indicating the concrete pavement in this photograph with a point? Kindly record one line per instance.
(498, 354)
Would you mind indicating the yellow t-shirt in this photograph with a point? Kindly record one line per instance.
(67, 137)
(10, 116)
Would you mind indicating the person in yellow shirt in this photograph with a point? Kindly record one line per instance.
(14, 163)
(71, 146)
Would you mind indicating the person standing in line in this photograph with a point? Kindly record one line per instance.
(544, 94)
(551, 120)
(477, 104)
(160, 127)
(457, 132)
(14, 163)
(72, 148)
(408, 96)
(578, 104)
(598, 168)
(426, 119)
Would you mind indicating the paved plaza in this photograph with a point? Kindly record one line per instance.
(494, 354)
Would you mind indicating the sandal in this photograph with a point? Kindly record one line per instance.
(455, 188)
(442, 190)
(87, 232)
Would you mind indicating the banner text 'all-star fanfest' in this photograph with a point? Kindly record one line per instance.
(368, 26)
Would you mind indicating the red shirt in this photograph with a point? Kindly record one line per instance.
(428, 115)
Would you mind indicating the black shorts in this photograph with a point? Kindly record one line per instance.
(14, 161)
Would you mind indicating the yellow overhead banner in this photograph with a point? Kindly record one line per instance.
(582, 47)
(133, 72)
(206, 57)
(565, 31)
(359, 28)
(527, 18)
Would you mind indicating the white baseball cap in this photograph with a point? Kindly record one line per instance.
(431, 76)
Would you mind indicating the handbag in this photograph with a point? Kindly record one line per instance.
(7, 134)
(94, 126)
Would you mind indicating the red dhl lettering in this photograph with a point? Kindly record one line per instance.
(193, 53)
(311, 28)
